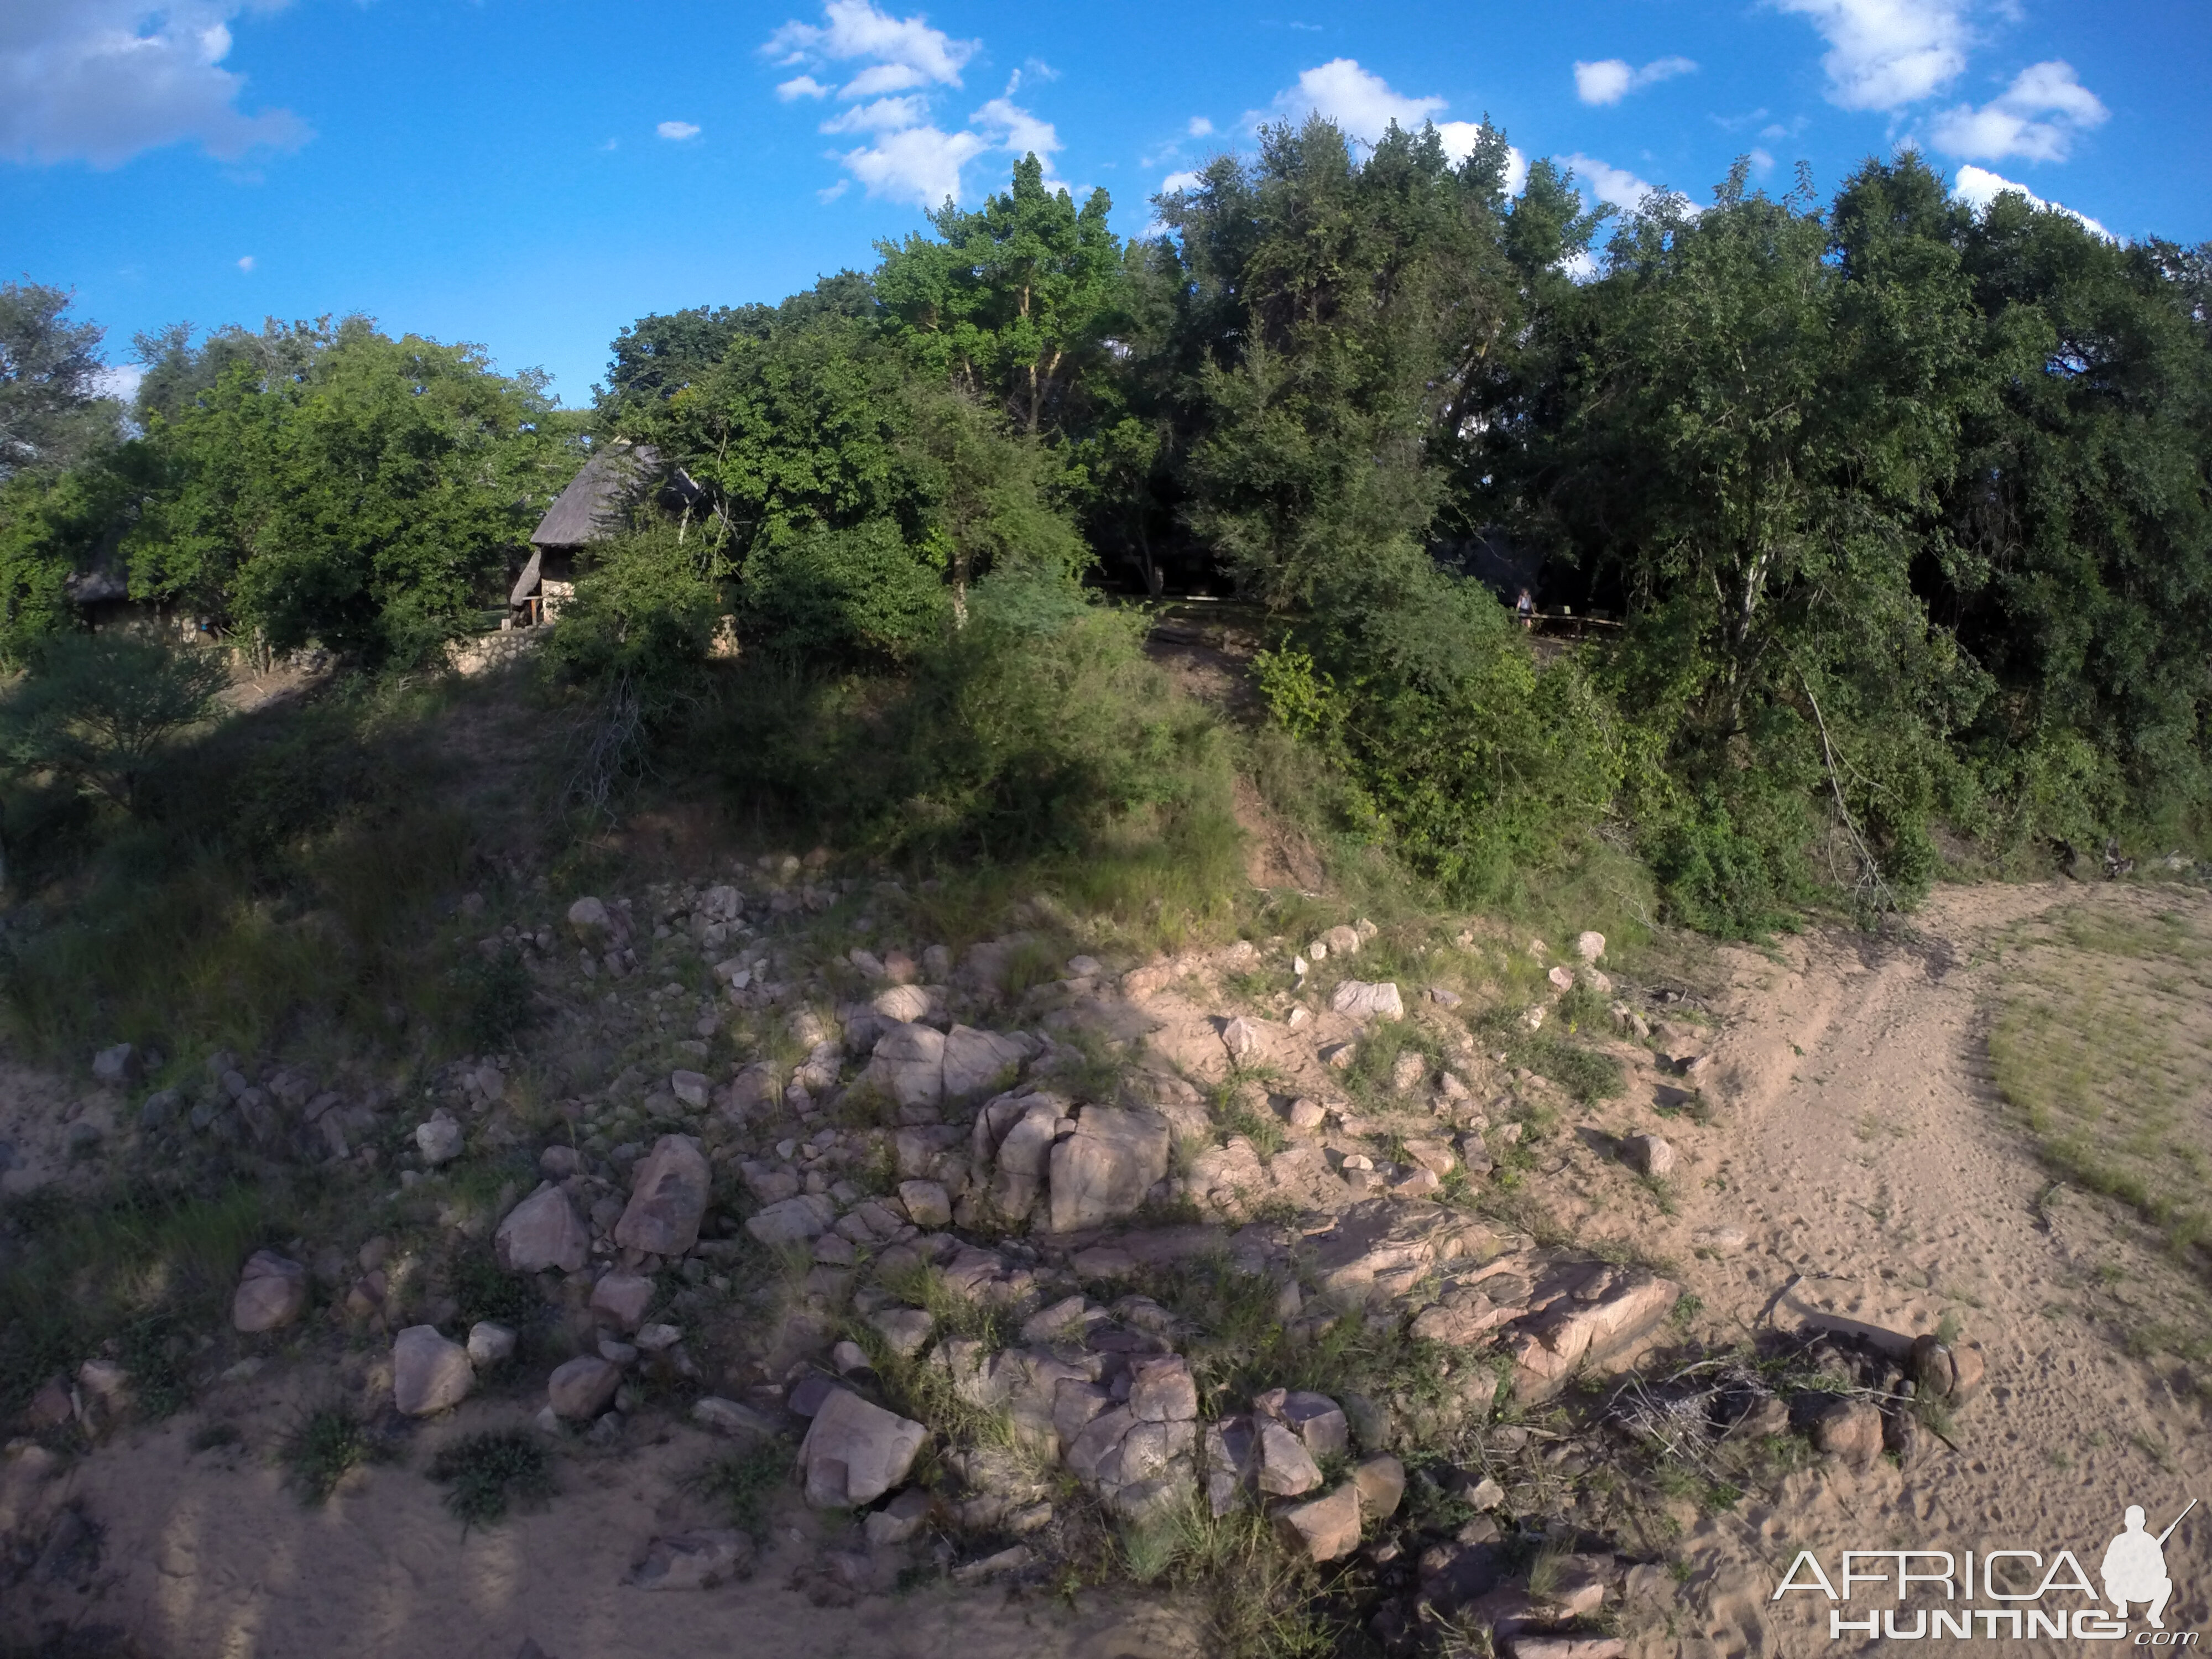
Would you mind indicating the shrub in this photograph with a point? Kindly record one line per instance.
(843, 596)
(490, 1471)
(99, 710)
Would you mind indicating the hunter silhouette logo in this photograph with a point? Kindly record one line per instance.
(1999, 1594)
(2134, 1568)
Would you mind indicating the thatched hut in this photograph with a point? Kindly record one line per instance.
(595, 504)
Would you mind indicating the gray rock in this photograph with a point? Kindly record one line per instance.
(908, 1066)
(429, 1373)
(1284, 1467)
(929, 1206)
(975, 1061)
(115, 1067)
(690, 1087)
(1023, 1157)
(1243, 1038)
(1650, 1155)
(272, 1293)
(1325, 1527)
(1107, 1166)
(439, 1140)
(1161, 1390)
(668, 1199)
(794, 1221)
(1357, 1000)
(728, 1417)
(542, 1231)
(694, 1560)
(855, 1452)
(1382, 1483)
(1342, 941)
(902, 1005)
(898, 1521)
(581, 1388)
(905, 1331)
(158, 1109)
(622, 1298)
(591, 922)
(489, 1343)
(1589, 946)
(754, 1088)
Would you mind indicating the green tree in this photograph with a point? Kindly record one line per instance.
(1016, 300)
(51, 412)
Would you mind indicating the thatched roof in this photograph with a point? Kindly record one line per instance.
(592, 506)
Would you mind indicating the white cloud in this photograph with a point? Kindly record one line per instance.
(920, 165)
(247, 264)
(826, 196)
(1201, 127)
(885, 115)
(1977, 187)
(1611, 79)
(898, 66)
(1017, 132)
(1363, 104)
(2036, 117)
(1762, 162)
(1885, 53)
(1175, 181)
(99, 81)
(905, 52)
(1602, 182)
(677, 131)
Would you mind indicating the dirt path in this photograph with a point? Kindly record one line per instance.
(1857, 1143)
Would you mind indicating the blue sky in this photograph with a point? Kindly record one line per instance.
(531, 174)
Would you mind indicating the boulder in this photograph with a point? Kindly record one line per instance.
(1105, 1168)
(1324, 1529)
(1161, 1390)
(728, 1417)
(1381, 1481)
(902, 1005)
(429, 1373)
(1604, 1315)
(1024, 1157)
(908, 1066)
(756, 1087)
(115, 1067)
(1242, 1037)
(927, 1204)
(668, 1199)
(439, 1140)
(855, 1452)
(694, 1560)
(1589, 946)
(898, 1521)
(272, 1293)
(690, 1087)
(1845, 1427)
(1357, 1000)
(794, 1221)
(621, 1298)
(1283, 1467)
(542, 1231)
(1318, 1421)
(905, 1331)
(1951, 1372)
(591, 923)
(975, 1061)
(1649, 1155)
(581, 1388)
(1409, 1070)
(1306, 1114)
(1342, 941)
(489, 1343)
(1378, 1249)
